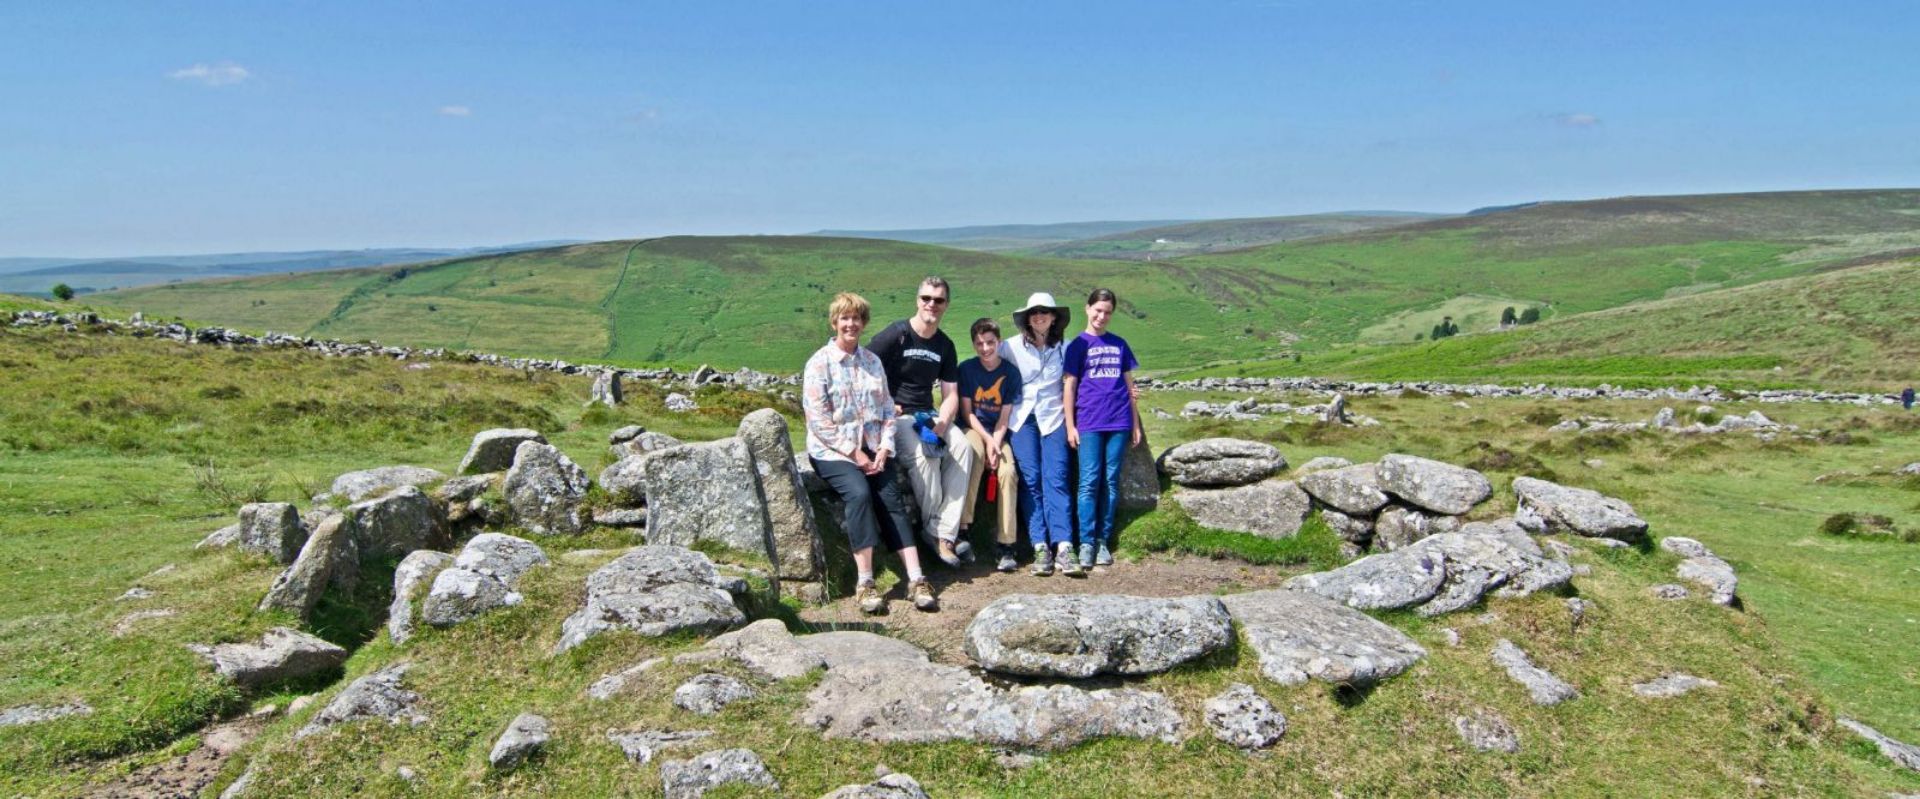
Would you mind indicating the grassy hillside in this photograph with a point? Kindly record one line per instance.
(120, 453)
(38, 275)
(1192, 238)
(1001, 238)
(756, 301)
(1857, 327)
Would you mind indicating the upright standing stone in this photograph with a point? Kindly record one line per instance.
(606, 388)
(544, 488)
(796, 539)
(707, 492)
(272, 529)
(396, 524)
(1139, 479)
(329, 550)
(493, 450)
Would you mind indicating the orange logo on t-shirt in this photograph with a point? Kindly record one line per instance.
(989, 396)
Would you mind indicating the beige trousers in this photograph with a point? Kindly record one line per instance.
(1009, 496)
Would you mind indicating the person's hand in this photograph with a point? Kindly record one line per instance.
(879, 463)
(861, 460)
(1137, 435)
(1073, 437)
(1135, 391)
(993, 457)
(941, 426)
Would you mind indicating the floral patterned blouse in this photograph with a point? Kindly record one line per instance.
(847, 403)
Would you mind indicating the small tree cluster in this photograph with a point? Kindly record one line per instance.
(1444, 329)
(62, 292)
(1529, 316)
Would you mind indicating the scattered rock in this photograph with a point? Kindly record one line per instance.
(796, 539)
(677, 402)
(126, 623)
(653, 590)
(224, 537)
(607, 389)
(889, 700)
(1450, 636)
(1541, 685)
(1270, 508)
(1352, 529)
(272, 529)
(1546, 507)
(356, 486)
(35, 714)
(134, 594)
(1577, 610)
(889, 786)
(643, 443)
(1486, 731)
(1352, 490)
(527, 734)
(416, 571)
(281, 654)
(623, 482)
(1379, 582)
(330, 556)
(1439, 487)
(1300, 636)
(493, 450)
(641, 745)
(1221, 462)
(1399, 527)
(375, 696)
(1904, 755)
(1669, 591)
(765, 648)
(1321, 463)
(706, 694)
(1243, 718)
(1672, 685)
(1704, 568)
(1139, 478)
(459, 595)
(1083, 635)
(607, 687)
(625, 434)
(544, 489)
(691, 779)
(502, 557)
(620, 517)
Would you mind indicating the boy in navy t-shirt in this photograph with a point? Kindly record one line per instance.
(989, 385)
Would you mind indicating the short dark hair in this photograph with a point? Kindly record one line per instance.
(985, 324)
(1102, 295)
(938, 282)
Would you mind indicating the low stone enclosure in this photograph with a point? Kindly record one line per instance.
(1407, 520)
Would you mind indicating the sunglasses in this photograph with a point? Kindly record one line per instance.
(926, 299)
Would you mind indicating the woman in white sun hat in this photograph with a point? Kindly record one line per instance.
(1039, 432)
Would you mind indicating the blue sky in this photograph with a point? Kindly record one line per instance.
(148, 127)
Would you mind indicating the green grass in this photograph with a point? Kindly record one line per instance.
(1854, 328)
(758, 301)
(108, 441)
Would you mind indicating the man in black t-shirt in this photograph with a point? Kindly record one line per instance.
(918, 356)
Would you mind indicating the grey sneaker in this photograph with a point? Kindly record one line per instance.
(964, 548)
(1068, 565)
(1042, 561)
(921, 594)
(1101, 557)
(1086, 556)
(1008, 561)
(867, 595)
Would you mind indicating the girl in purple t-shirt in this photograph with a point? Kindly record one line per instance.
(1102, 423)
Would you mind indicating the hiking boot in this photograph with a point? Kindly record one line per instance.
(1068, 565)
(868, 597)
(1008, 561)
(1086, 556)
(920, 592)
(1101, 557)
(947, 554)
(1042, 561)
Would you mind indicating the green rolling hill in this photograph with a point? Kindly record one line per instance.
(757, 301)
(1193, 238)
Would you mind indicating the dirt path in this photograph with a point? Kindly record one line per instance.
(186, 775)
(964, 592)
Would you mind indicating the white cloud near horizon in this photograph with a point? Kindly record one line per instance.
(455, 111)
(1576, 120)
(225, 73)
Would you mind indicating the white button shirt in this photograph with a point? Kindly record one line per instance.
(1040, 390)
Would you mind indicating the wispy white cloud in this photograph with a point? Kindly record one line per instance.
(1575, 120)
(225, 73)
(455, 111)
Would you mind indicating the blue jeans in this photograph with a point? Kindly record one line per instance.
(1100, 457)
(1043, 483)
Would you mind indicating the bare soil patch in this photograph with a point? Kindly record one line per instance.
(185, 776)
(963, 592)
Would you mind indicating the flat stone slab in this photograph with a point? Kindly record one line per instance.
(891, 786)
(1269, 508)
(356, 486)
(1439, 487)
(492, 450)
(653, 590)
(1905, 755)
(1242, 717)
(281, 654)
(1542, 686)
(36, 714)
(895, 701)
(765, 648)
(376, 696)
(1081, 635)
(691, 779)
(843, 648)
(1221, 462)
(640, 746)
(1301, 636)
(1379, 582)
(1671, 685)
(709, 693)
(524, 736)
(1487, 731)
(1546, 507)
